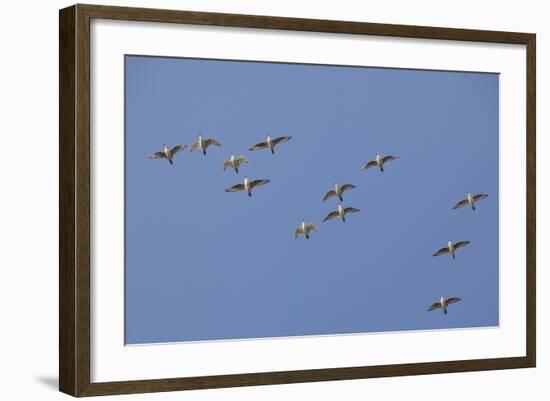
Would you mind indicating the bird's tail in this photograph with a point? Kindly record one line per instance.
(445, 311)
(171, 162)
(453, 255)
(344, 219)
(250, 193)
(473, 207)
(382, 168)
(272, 151)
(204, 151)
(236, 170)
(307, 236)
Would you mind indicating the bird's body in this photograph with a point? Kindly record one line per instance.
(338, 191)
(203, 143)
(270, 143)
(379, 162)
(305, 229)
(167, 153)
(451, 248)
(341, 212)
(443, 303)
(234, 162)
(247, 186)
(470, 201)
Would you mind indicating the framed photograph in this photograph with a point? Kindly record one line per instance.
(249, 200)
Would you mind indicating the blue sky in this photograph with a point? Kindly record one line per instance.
(203, 264)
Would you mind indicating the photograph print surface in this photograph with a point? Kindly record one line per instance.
(276, 199)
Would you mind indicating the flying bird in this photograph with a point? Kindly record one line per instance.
(270, 143)
(341, 213)
(167, 153)
(203, 143)
(451, 248)
(338, 191)
(443, 303)
(247, 186)
(379, 162)
(234, 162)
(470, 200)
(305, 229)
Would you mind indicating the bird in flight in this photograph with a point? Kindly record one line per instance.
(338, 191)
(443, 303)
(470, 201)
(451, 248)
(305, 229)
(341, 213)
(379, 162)
(247, 186)
(270, 143)
(234, 162)
(167, 153)
(203, 143)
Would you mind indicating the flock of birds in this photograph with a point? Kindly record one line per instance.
(451, 248)
(234, 162)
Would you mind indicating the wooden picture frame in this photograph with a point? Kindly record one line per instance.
(74, 200)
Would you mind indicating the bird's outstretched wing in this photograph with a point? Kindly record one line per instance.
(257, 183)
(226, 164)
(434, 306)
(461, 244)
(331, 215)
(329, 194)
(211, 141)
(460, 204)
(388, 158)
(370, 164)
(312, 227)
(298, 231)
(157, 155)
(235, 188)
(177, 148)
(242, 159)
(480, 197)
(281, 139)
(351, 210)
(345, 187)
(193, 147)
(261, 145)
(452, 300)
(442, 251)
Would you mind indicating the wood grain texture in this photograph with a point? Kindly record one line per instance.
(301, 24)
(74, 199)
(67, 131)
(82, 201)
